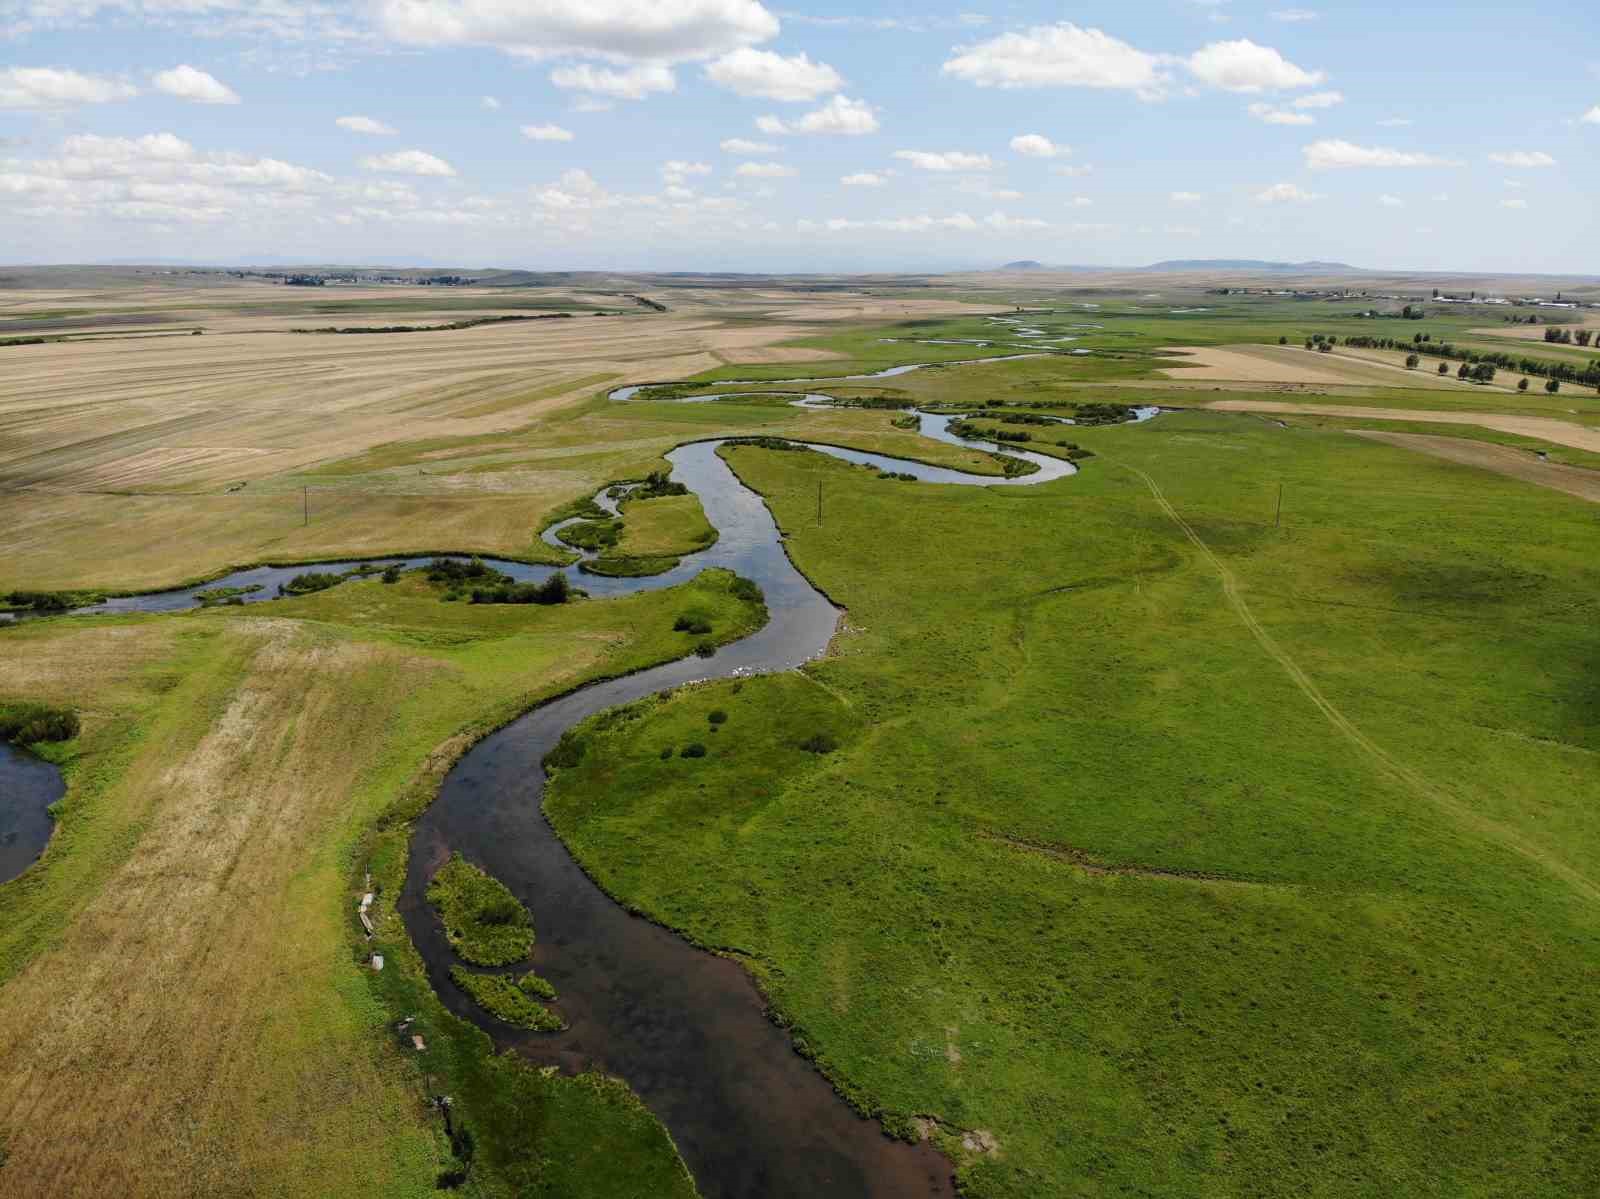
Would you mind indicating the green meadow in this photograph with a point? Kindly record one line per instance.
(1183, 851)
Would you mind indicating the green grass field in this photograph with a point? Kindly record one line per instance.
(1095, 872)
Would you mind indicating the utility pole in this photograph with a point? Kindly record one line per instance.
(1277, 518)
(305, 505)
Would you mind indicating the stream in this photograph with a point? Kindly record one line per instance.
(687, 1029)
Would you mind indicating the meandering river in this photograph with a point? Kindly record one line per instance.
(687, 1029)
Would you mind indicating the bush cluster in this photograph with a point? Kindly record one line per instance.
(554, 590)
(27, 724)
(507, 1000)
(485, 923)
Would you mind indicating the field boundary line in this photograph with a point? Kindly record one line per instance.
(1396, 770)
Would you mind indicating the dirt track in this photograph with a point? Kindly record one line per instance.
(1503, 460)
(1560, 432)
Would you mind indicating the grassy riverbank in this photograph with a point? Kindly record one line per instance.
(195, 912)
(1257, 861)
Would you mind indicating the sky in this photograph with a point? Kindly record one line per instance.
(734, 135)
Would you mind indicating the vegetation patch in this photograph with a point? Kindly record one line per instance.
(507, 999)
(554, 590)
(29, 723)
(485, 922)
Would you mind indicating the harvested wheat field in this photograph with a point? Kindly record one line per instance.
(1503, 460)
(1293, 364)
(1561, 432)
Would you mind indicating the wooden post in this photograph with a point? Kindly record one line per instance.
(1277, 517)
(819, 505)
(305, 503)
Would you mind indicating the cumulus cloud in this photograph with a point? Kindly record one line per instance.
(677, 171)
(1243, 66)
(1391, 201)
(1286, 193)
(949, 160)
(864, 179)
(1523, 159)
(1592, 117)
(840, 115)
(47, 87)
(1185, 198)
(1036, 145)
(1335, 154)
(1516, 202)
(546, 133)
(197, 86)
(1395, 122)
(661, 31)
(765, 170)
(743, 145)
(1319, 100)
(365, 125)
(1073, 172)
(631, 83)
(772, 76)
(1061, 55)
(1293, 15)
(409, 162)
(1080, 202)
(1280, 116)
(959, 222)
(490, 103)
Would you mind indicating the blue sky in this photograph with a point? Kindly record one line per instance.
(733, 135)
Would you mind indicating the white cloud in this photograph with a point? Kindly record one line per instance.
(1080, 202)
(1334, 154)
(661, 31)
(189, 83)
(490, 103)
(1036, 145)
(959, 222)
(1280, 116)
(951, 160)
(1061, 55)
(1523, 158)
(631, 83)
(365, 125)
(772, 76)
(741, 145)
(840, 115)
(1391, 201)
(1185, 198)
(1592, 117)
(1180, 230)
(864, 179)
(1286, 193)
(1395, 122)
(409, 162)
(1076, 172)
(1243, 66)
(1319, 100)
(546, 133)
(1514, 203)
(1293, 15)
(765, 170)
(47, 87)
(678, 171)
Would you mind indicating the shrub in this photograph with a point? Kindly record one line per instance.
(568, 752)
(451, 570)
(391, 575)
(505, 1000)
(747, 590)
(705, 650)
(540, 988)
(312, 580)
(554, 590)
(691, 623)
(717, 716)
(1552, 386)
(820, 743)
(1522, 385)
(666, 753)
(693, 750)
(27, 724)
(484, 921)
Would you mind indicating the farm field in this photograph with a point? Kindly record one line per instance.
(1132, 836)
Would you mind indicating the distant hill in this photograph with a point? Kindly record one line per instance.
(1026, 264)
(1252, 264)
